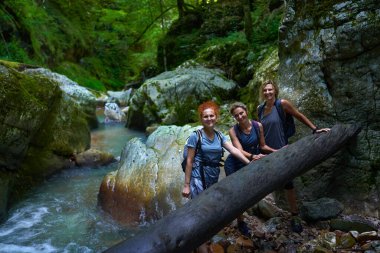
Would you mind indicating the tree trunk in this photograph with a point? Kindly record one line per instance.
(181, 10)
(248, 29)
(199, 219)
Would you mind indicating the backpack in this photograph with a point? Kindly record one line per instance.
(198, 147)
(255, 150)
(286, 118)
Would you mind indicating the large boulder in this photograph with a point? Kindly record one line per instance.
(40, 128)
(329, 67)
(72, 91)
(171, 97)
(147, 184)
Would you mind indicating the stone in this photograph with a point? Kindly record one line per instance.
(93, 157)
(321, 209)
(172, 97)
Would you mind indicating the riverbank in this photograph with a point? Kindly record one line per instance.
(274, 235)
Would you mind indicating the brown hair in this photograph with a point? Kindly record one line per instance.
(237, 105)
(208, 105)
(265, 83)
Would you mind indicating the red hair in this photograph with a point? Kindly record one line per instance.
(208, 105)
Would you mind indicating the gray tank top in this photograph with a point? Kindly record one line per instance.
(273, 129)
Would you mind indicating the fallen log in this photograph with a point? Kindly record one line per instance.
(199, 219)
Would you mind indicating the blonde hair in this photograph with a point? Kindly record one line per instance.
(265, 83)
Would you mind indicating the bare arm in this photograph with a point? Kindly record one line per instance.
(189, 168)
(289, 108)
(235, 152)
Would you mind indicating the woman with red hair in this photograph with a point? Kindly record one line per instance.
(203, 163)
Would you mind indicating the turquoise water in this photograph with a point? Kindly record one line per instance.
(62, 214)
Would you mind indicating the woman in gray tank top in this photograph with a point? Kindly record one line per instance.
(275, 137)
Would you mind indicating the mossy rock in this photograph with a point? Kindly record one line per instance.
(40, 128)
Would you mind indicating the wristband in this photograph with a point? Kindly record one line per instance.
(251, 157)
(315, 130)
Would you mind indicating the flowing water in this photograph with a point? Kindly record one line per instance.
(62, 214)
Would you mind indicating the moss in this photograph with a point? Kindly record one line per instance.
(81, 75)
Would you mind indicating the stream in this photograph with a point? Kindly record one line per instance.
(62, 215)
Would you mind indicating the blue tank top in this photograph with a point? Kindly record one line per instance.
(250, 141)
(273, 129)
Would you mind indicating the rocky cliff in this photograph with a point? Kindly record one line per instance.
(42, 124)
(329, 67)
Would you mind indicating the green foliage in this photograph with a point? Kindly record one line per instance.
(100, 44)
(106, 44)
(238, 37)
(266, 24)
(80, 75)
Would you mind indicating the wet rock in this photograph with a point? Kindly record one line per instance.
(93, 157)
(321, 209)
(368, 236)
(353, 222)
(345, 240)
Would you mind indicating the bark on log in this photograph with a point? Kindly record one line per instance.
(201, 218)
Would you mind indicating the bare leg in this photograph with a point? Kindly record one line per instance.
(292, 200)
(204, 248)
(240, 218)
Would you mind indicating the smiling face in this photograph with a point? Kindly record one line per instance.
(269, 92)
(240, 114)
(208, 118)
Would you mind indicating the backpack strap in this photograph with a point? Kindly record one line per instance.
(237, 131)
(199, 149)
(260, 110)
(255, 125)
(219, 135)
(199, 142)
(280, 110)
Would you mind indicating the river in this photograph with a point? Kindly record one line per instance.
(62, 215)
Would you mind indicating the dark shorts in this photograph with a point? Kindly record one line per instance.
(211, 176)
(231, 165)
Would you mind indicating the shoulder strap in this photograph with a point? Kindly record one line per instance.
(219, 135)
(199, 148)
(237, 131)
(199, 141)
(257, 128)
(280, 111)
(260, 110)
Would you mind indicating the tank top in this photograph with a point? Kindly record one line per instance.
(249, 141)
(273, 129)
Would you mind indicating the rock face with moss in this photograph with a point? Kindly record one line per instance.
(40, 128)
(172, 97)
(329, 67)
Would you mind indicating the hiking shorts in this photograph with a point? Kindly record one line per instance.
(196, 187)
(211, 177)
(231, 165)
